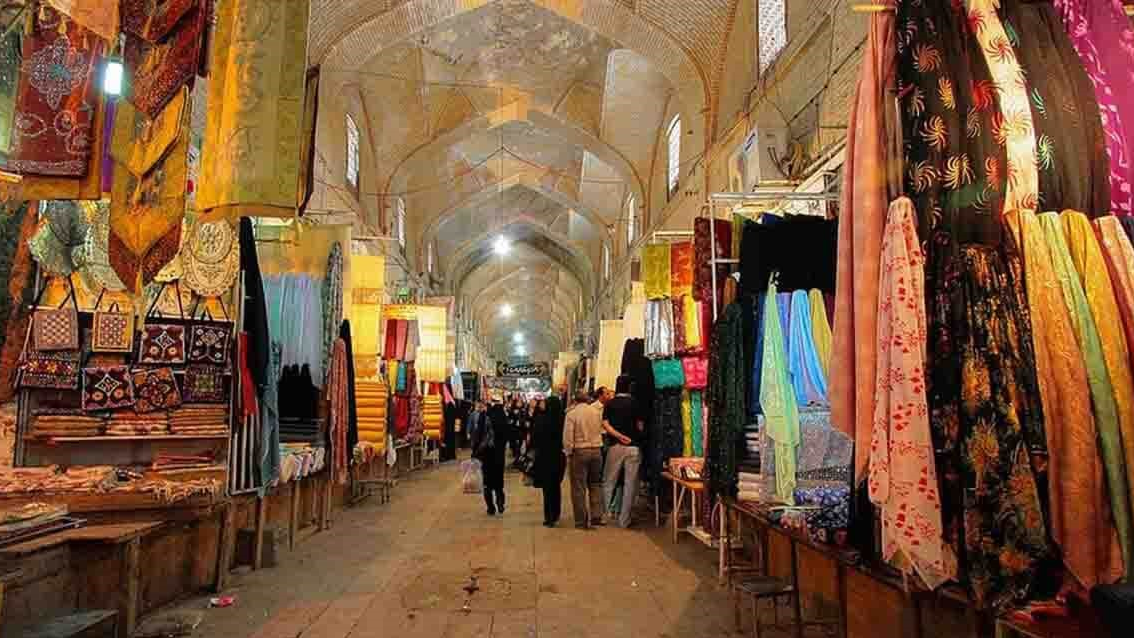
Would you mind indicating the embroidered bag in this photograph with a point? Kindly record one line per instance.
(57, 329)
(163, 46)
(107, 388)
(155, 389)
(112, 330)
(49, 370)
(696, 372)
(163, 343)
(210, 341)
(204, 384)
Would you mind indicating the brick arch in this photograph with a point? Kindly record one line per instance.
(493, 334)
(482, 299)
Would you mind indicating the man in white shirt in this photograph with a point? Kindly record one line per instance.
(582, 442)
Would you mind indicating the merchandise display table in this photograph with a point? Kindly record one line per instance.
(695, 490)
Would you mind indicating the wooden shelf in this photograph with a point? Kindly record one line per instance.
(140, 437)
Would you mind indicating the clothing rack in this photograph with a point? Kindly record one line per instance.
(741, 198)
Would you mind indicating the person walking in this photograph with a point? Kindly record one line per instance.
(550, 464)
(622, 423)
(490, 441)
(582, 442)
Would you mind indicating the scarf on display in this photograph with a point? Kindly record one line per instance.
(725, 403)
(1101, 36)
(251, 155)
(721, 230)
(659, 328)
(297, 319)
(697, 423)
(255, 305)
(903, 477)
(806, 372)
(657, 271)
(352, 400)
(781, 415)
(1081, 519)
(678, 314)
(270, 420)
(862, 216)
(338, 389)
(17, 223)
(694, 339)
(332, 299)
(681, 269)
(820, 331)
(1119, 252)
(56, 98)
(687, 424)
(757, 367)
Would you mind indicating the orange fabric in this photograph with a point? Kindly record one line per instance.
(1119, 253)
(681, 269)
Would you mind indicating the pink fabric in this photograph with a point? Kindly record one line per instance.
(903, 474)
(338, 392)
(696, 372)
(862, 217)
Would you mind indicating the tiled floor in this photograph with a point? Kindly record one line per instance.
(402, 570)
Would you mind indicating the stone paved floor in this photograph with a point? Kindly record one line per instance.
(399, 571)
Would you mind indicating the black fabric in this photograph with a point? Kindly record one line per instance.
(1128, 226)
(666, 436)
(638, 367)
(726, 403)
(255, 307)
(622, 412)
(800, 250)
(1115, 606)
(1070, 142)
(352, 401)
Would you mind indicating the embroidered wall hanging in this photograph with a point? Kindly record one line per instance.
(211, 258)
(107, 388)
(56, 101)
(155, 389)
(92, 259)
(63, 229)
(204, 384)
(164, 60)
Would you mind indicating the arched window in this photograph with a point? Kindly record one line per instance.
(772, 21)
(400, 223)
(605, 261)
(631, 219)
(352, 153)
(674, 146)
(429, 258)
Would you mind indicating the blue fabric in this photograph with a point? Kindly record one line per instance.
(758, 366)
(668, 374)
(803, 360)
(295, 319)
(403, 378)
(270, 421)
(783, 303)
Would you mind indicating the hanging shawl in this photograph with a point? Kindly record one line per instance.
(1101, 36)
(659, 329)
(806, 372)
(678, 314)
(255, 306)
(903, 476)
(101, 18)
(252, 149)
(781, 415)
(17, 223)
(1081, 521)
(64, 229)
(681, 269)
(697, 423)
(656, 271)
(56, 101)
(611, 343)
(687, 423)
(212, 258)
(694, 340)
(338, 393)
(270, 421)
(413, 340)
(148, 197)
(862, 214)
(820, 331)
(332, 299)
(721, 230)
(725, 404)
(1119, 252)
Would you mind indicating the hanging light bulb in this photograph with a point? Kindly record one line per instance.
(114, 73)
(518, 337)
(506, 310)
(501, 245)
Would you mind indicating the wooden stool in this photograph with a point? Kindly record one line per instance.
(759, 588)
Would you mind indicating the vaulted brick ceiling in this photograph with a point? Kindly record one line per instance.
(531, 119)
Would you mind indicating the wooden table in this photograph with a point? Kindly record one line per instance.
(695, 490)
(127, 536)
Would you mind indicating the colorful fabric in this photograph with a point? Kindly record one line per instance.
(862, 216)
(155, 389)
(781, 415)
(332, 300)
(806, 372)
(162, 343)
(209, 343)
(704, 231)
(903, 477)
(986, 419)
(252, 149)
(696, 371)
(1012, 126)
(1101, 36)
(687, 424)
(1119, 253)
(820, 331)
(338, 395)
(112, 331)
(101, 18)
(659, 329)
(57, 100)
(50, 370)
(64, 229)
(1081, 517)
(697, 414)
(725, 403)
(413, 340)
(1070, 142)
(678, 314)
(657, 271)
(694, 339)
(160, 67)
(668, 374)
(681, 269)
(204, 384)
(107, 388)
(212, 259)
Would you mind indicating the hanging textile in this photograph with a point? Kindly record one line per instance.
(1081, 520)
(806, 372)
(678, 314)
(255, 314)
(1103, 400)
(413, 340)
(1119, 252)
(163, 49)
(101, 18)
(64, 229)
(634, 321)
(250, 161)
(986, 420)
(721, 230)
(697, 423)
(1012, 126)
(10, 57)
(270, 421)
(1095, 26)
(862, 214)
(352, 401)
(903, 476)
(1070, 143)
(656, 271)
(757, 367)
(820, 331)
(687, 424)
(781, 415)
(332, 300)
(401, 335)
(93, 258)
(296, 318)
(17, 223)
(659, 329)
(56, 100)
(694, 339)
(666, 436)
(609, 362)
(338, 398)
(681, 268)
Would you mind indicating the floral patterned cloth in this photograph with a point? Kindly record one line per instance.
(1103, 39)
(986, 420)
(332, 300)
(1081, 519)
(703, 234)
(338, 395)
(903, 476)
(657, 271)
(681, 268)
(1119, 252)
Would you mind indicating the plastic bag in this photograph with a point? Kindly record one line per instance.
(470, 477)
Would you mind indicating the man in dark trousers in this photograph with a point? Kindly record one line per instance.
(622, 423)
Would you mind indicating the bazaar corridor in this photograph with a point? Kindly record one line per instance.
(400, 570)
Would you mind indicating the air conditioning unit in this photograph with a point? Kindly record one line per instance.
(754, 165)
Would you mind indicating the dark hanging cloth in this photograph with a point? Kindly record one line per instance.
(727, 379)
(1071, 150)
(255, 306)
(756, 365)
(449, 451)
(987, 423)
(955, 170)
(17, 225)
(1128, 226)
(799, 249)
(666, 438)
(632, 351)
(702, 254)
(352, 401)
(641, 372)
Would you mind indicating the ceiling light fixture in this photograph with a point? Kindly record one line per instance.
(506, 310)
(501, 245)
(518, 337)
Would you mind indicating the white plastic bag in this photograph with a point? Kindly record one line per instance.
(470, 477)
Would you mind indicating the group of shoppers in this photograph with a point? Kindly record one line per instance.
(599, 439)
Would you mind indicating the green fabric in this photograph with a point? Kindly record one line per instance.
(698, 424)
(1102, 392)
(777, 398)
(726, 402)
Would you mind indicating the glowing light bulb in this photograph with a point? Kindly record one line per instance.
(506, 310)
(501, 245)
(113, 76)
(518, 337)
